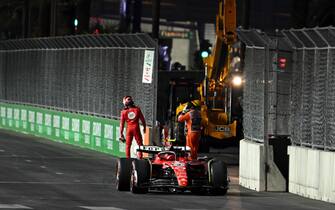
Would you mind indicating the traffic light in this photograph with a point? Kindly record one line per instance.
(96, 31)
(204, 54)
(204, 51)
(75, 22)
(282, 62)
(205, 48)
(279, 62)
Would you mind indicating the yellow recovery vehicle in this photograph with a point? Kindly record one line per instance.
(216, 88)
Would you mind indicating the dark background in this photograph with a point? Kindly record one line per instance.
(36, 18)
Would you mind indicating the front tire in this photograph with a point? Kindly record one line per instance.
(123, 174)
(218, 177)
(140, 176)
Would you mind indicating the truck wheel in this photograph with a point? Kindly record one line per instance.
(123, 172)
(140, 175)
(218, 177)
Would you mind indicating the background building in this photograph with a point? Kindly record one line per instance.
(182, 26)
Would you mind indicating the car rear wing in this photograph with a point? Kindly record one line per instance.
(157, 149)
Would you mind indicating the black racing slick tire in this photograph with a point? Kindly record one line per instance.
(218, 177)
(123, 172)
(140, 175)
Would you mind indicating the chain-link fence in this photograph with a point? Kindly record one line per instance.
(2, 75)
(86, 74)
(261, 67)
(313, 87)
(299, 67)
(253, 94)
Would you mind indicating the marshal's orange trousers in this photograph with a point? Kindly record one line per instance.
(192, 140)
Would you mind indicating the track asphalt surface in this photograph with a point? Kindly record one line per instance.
(36, 173)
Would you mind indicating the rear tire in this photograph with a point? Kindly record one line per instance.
(140, 176)
(218, 177)
(123, 172)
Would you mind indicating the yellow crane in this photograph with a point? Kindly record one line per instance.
(216, 88)
(215, 91)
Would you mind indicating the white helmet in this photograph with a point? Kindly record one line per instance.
(127, 101)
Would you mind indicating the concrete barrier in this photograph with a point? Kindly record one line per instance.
(252, 168)
(312, 173)
(252, 173)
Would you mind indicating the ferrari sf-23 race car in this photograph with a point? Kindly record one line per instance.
(170, 169)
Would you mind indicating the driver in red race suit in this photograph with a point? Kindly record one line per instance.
(131, 114)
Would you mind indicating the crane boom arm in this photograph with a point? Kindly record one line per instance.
(225, 36)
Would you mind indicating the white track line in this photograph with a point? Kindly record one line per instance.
(13, 206)
(187, 209)
(101, 208)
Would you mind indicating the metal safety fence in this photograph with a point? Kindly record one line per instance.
(266, 86)
(299, 98)
(2, 75)
(84, 74)
(253, 94)
(313, 87)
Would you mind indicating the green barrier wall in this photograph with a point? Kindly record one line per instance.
(90, 132)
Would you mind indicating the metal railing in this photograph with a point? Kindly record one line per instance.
(313, 87)
(265, 92)
(301, 97)
(86, 74)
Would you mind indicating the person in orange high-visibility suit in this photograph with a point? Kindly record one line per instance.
(192, 117)
(131, 114)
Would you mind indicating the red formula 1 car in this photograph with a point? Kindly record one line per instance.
(170, 169)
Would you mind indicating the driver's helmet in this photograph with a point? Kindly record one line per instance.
(196, 103)
(167, 156)
(127, 101)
